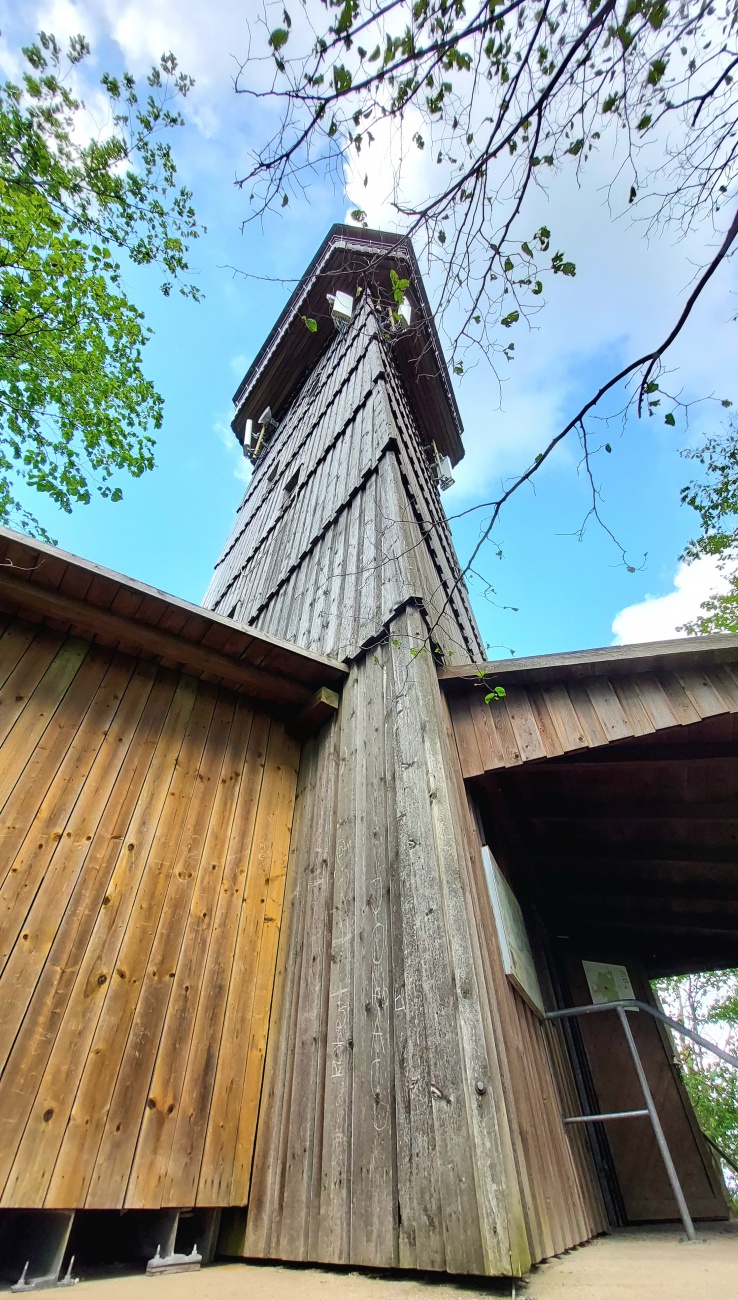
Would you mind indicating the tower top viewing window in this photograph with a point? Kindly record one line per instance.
(352, 261)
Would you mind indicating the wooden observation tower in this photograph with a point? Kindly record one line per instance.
(287, 904)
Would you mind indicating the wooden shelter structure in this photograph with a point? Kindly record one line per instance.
(254, 981)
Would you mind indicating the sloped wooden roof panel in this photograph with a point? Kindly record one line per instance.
(539, 720)
(46, 584)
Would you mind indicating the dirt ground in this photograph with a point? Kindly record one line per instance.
(650, 1264)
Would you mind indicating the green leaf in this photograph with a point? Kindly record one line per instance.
(278, 38)
(510, 319)
(342, 80)
(656, 72)
(497, 693)
(310, 324)
(669, 419)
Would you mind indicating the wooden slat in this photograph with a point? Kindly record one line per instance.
(75, 1165)
(98, 692)
(36, 1035)
(334, 1244)
(592, 728)
(275, 843)
(490, 747)
(373, 1184)
(254, 1234)
(609, 709)
(656, 702)
(679, 701)
(724, 678)
(133, 1096)
(544, 722)
(564, 717)
(14, 642)
(473, 761)
(35, 700)
(634, 707)
(703, 694)
(254, 957)
(98, 963)
(154, 1142)
(69, 854)
(523, 719)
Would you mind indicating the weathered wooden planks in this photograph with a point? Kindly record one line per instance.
(375, 1145)
(562, 716)
(330, 564)
(146, 819)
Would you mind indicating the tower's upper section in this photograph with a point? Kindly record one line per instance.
(352, 260)
(347, 415)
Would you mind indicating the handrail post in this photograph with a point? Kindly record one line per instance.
(676, 1186)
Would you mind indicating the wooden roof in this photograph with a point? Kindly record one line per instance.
(559, 717)
(348, 257)
(608, 782)
(49, 585)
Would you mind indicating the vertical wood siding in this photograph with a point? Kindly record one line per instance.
(145, 819)
(384, 1137)
(559, 1191)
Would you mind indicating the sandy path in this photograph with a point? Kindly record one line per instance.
(634, 1264)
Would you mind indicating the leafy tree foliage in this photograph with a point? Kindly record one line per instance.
(714, 495)
(708, 1004)
(75, 406)
(502, 96)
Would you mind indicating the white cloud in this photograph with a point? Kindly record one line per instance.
(657, 617)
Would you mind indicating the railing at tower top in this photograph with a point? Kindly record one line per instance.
(622, 1009)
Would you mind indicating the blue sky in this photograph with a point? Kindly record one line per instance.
(170, 526)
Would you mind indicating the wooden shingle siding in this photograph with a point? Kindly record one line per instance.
(364, 532)
(145, 822)
(545, 721)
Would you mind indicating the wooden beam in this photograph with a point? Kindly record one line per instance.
(319, 708)
(621, 808)
(625, 752)
(17, 595)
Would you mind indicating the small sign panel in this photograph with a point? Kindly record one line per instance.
(608, 983)
(517, 957)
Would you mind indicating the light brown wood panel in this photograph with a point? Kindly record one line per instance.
(138, 803)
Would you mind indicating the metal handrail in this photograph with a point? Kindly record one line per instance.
(632, 1004)
(622, 1008)
(729, 1160)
